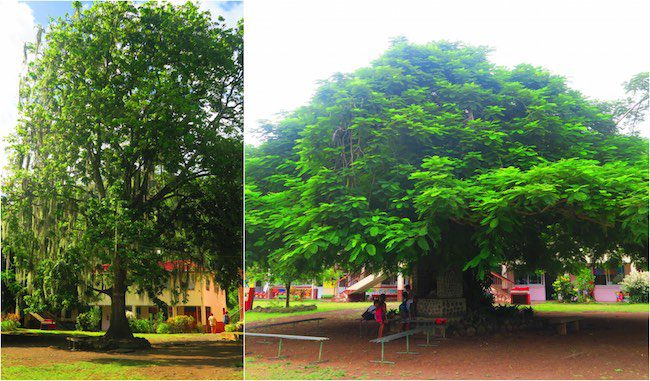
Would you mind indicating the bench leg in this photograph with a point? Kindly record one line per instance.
(561, 329)
(577, 326)
(429, 344)
(279, 351)
(320, 355)
(382, 361)
(408, 351)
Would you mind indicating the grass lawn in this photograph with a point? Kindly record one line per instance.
(322, 306)
(80, 370)
(599, 307)
(152, 337)
(285, 371)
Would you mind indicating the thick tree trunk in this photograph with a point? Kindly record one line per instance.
(286, 303)
(119, 324)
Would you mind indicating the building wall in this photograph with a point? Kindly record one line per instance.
(604, 293)
(195, 304)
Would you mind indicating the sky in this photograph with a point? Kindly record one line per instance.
(18, 22)
(291, 44)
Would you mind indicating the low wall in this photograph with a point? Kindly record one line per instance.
(441, 307)
(604, 293)
(537, 292)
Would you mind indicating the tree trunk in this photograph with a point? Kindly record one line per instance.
(119, 324)
(286, 303)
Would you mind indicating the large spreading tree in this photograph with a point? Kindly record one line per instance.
(434, 153)
(127, 154)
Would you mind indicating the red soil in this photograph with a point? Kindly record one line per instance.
(608, 346)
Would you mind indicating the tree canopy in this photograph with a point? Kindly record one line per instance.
(128, 152)
(435, 151)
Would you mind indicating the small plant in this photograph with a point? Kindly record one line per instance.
(636, 284)
(141, 326)
(564, 289)
(9, 325)
(585, 284)
(89, 321)
(13, 317)
(181, 323)
(163, 328)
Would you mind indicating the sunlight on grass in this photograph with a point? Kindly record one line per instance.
(591, 307)
(153, 337)
(266, 371)
(82, 370)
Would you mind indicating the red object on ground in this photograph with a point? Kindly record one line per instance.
(48, 324)
(440, 321)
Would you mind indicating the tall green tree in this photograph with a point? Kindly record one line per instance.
(128, 153)
(435, 153)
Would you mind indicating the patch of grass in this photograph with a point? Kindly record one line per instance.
(322, 306)
(265, 371)
(152, 337)
(596, 307)
(82, 370)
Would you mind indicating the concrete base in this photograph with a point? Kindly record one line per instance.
(452, 307)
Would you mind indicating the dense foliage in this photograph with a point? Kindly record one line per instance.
(435, 151)
(89, 320)
(128, 152)
(637, 285)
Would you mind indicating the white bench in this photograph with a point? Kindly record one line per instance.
(399, 335)
(288, 337)
(429, 326)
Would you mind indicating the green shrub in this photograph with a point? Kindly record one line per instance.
(238, 327)
(163, 328)
(585, 284)
(637, 285)
(9, 325)
(181, 323)
(89, 321)
(564, 289)
(141, 326)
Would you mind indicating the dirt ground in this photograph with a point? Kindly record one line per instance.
(608, 346)
(206, 358)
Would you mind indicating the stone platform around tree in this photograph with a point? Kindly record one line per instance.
(448, 307)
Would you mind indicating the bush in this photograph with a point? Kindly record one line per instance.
(89, 321)
(10, 325)
(585, 284)
(12, 317)
(163, 328)
(141, 326)
(181, 323)
(564, 289)
(636, 284)
(234, 327)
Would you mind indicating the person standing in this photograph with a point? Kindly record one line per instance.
(213, 323)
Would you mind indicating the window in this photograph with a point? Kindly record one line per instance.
(528, 278)
(207, 284)
(138, 311)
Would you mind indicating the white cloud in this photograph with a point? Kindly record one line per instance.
(17, 26)
(232, 11)
(291, 44)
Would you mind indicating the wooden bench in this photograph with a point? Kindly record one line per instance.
(288, 337)
(399, 335)
(562, 323)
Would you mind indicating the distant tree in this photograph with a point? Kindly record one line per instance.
(128, 153)
(435, 152)
(630, 112)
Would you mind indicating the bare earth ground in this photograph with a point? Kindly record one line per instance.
(201, 358)
(608, 346)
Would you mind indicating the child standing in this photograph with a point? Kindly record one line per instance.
(379, 316)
